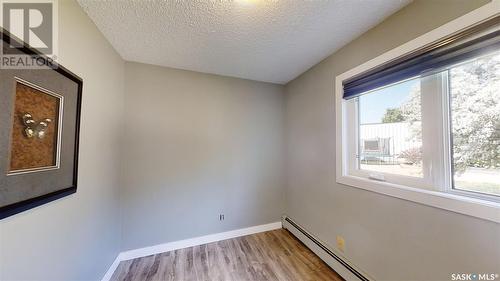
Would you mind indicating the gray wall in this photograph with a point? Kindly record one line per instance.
(389, 238)
(77, 238)
(198, 145)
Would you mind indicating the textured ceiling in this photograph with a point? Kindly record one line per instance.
(272, 41)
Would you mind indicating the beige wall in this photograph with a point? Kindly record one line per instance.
(77, 237)
(198, 145)
(389, 238)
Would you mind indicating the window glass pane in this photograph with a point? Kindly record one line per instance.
(475, 122)
(390, 130)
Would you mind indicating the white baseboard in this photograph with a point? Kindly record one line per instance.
(111, 269)
(166, 247)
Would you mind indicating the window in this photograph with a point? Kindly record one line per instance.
(390, 130)
(475, 124)
(425, 125)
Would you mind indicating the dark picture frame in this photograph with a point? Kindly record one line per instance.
(29, 203)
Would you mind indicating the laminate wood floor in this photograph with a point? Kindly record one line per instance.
(272, 255)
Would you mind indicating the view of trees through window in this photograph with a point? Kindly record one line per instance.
(475, 121)
(390, 130)
(474, 91)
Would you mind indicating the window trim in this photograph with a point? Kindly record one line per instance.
(452, 201)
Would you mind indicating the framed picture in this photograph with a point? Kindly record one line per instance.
(39, 133)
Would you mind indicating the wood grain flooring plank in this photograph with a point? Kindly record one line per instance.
(269, 256)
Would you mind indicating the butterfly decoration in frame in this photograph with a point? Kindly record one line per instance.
(35, 129)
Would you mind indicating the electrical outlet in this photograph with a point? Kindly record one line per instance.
(340, 243)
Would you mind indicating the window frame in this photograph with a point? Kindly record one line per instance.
(436, 187)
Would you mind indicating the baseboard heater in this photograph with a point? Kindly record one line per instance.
(337, 263)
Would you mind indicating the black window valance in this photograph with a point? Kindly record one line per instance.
(435, 57)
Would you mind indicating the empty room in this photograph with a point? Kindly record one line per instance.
(241, 140)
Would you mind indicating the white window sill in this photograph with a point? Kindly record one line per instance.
(460, 204)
